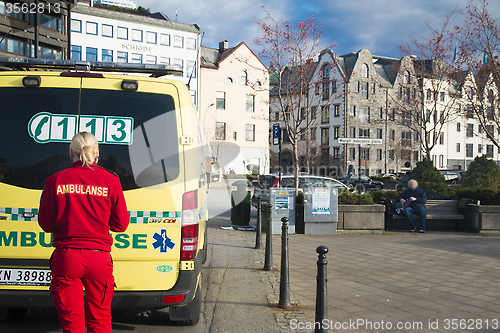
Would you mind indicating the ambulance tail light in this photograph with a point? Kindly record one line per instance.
(190, 225)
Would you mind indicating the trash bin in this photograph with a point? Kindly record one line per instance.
(240, 203)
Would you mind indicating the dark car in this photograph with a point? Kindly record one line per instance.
(366, 183)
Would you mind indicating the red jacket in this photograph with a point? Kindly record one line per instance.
(80, 205)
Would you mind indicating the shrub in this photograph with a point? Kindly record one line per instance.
(486, 196)
(482, 172)
(348, 198)
(391, 194)
(429, 178)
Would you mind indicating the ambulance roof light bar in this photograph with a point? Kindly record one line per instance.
(156, 70)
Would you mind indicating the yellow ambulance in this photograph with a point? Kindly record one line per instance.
(149, 136)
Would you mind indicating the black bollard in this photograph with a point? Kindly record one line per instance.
(258, 233)
(268, 263)
(321, 302)
(284, 301)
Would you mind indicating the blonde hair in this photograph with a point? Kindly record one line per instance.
(85, 148)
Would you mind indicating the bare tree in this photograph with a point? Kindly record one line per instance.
(291, 51)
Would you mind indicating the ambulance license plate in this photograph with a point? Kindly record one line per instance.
(25, 277)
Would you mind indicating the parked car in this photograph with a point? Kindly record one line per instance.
(266, 182)
(353, 180)
(389, 175)
(452, 178)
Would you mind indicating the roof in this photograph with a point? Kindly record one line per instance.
(211, 58)
(161, 22)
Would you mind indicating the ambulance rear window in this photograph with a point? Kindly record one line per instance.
(148, 156)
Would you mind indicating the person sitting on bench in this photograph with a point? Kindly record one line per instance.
(418, 199)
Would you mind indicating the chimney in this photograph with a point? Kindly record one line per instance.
(223, 46)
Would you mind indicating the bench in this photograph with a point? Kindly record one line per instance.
(449, 210)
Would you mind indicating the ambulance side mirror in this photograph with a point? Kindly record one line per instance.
(215, 175)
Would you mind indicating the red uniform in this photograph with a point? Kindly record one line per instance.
(80, 205)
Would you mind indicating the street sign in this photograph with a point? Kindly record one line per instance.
(276, 134)
(360, 141)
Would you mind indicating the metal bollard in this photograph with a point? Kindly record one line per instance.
(258, 233)
(268, 263)
(284, 301)
(321, 302)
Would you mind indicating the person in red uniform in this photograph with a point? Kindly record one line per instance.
(80, 205)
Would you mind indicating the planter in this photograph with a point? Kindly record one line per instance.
(361, 218)
(483, 218)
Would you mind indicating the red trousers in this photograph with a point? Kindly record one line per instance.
(73, 269)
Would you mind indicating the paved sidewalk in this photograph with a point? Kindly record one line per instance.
(401, 277)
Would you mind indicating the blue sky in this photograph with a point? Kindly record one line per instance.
(378, 25)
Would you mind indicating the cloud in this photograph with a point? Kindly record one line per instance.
(378, 25)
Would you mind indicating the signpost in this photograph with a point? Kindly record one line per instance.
(359, 142)
(277, 141)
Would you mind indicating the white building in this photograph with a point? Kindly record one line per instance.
(234, 108)
(104, 35)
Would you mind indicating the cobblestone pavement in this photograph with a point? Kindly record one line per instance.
(422, 281)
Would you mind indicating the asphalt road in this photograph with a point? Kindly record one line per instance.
(230, 295)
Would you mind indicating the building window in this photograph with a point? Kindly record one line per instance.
(165, 39)
(107, 30)
(379, 133)
(136, 58)
(469, 150)
(479, 148)
(392, 134)
(372, 90)
(76, 25)
(164, 60)
(180, 64)
(336, 153)
(137, 35)
(325, 114)
(441, 97)
(415, 156)
(122, 33)
(107, 55)
(470, 130)
(489, 151)
(179, 41)
(479, 129)
(392, 115)
(379, 154)
(336, 110)
(364, 89)
(326, 71)
(235, 136)
(364, 70)
(313, 134)
(190, 43)
(91, 54)
(91, 28)
(249, 132)
(121, 56)
(441, 161)
(76, 52)
(380, 113)
(458, 127)
(352, 132)
(191, 69)
(352, 111)
(325, 136)
(458, 147)
(250, 104)
(220, 131)
(150, 59)
(406, 139)
(244, 78)
(151, 37)
(326, 91)
(391, 154)
(406, 77)
(364, 114)
(352, 153)
(428, 94)
(469, 113)
(334, 86)
(336, 132)
(405, 118)
(220, 100)
(365, 153)
(441, 138)
(364, 133)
